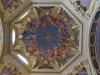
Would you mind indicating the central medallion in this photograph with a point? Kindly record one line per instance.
(48, 37)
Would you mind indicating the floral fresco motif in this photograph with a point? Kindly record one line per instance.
(49, 35)
(81, 5)
(11, 5)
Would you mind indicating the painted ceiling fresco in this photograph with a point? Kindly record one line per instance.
(95, 42)
(11, 5)
(48, 36)
(81, 6)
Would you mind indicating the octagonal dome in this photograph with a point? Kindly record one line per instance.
(47, 36)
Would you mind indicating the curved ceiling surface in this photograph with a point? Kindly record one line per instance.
(47, 36)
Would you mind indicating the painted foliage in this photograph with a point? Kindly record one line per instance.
(48, 35)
